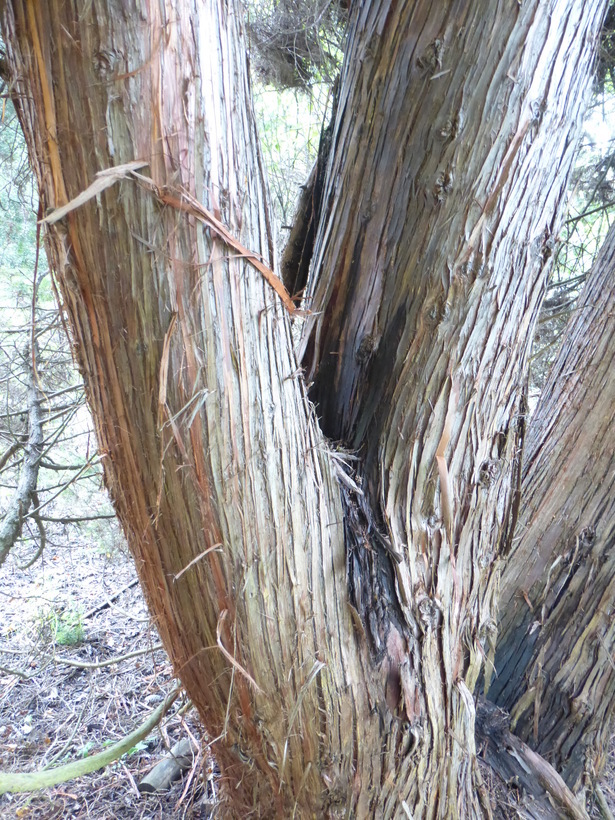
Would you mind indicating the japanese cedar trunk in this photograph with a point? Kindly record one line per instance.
(329, 634)
(554, 660)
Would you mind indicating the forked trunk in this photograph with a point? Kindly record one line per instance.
(330, 635)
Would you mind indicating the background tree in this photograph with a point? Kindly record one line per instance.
(332, 624)
(44, 434)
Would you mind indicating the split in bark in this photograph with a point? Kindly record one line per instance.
(297, 256)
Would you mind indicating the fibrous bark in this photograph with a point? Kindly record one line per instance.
(210, 451)
(451, 148)
(445, 179)
(555, 668)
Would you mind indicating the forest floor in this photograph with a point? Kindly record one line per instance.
(82, 605)
(62, 610)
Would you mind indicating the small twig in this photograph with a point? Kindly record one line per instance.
(89, 463)
(76, 519)
(111, 661)
(23, 675)
(72, 734)
(109, 600)
(42, 536)
(10, 453)
(131, 780)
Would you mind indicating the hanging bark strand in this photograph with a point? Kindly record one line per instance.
(555, 659)
(455, 132)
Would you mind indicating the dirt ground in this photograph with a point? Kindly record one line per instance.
(81, 604)
(65, 608)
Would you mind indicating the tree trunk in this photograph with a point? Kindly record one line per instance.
(329, 634)
(554, 661)
(429, 269)
(216, 468)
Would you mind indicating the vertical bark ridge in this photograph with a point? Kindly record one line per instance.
(430, 266)
(223, 461)
(554, 660)
(428, 274)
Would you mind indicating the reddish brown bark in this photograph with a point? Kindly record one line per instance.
(206, 438)
(451, 149)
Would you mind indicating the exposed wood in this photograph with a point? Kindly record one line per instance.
(180, 758)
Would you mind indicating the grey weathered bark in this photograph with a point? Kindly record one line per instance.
(25, 493)
(541, 792)
(554, 661)
(428, 275)
(455, 133)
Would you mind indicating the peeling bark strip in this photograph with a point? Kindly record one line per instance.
(184, 202)
(237, 473)
(180, 201)
(554, 661)
(362, 704)
(104, 179)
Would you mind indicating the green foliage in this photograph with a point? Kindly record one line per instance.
(17, 211)
(141, 746)
(290, 124)
(62, 628)
(84, 751)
